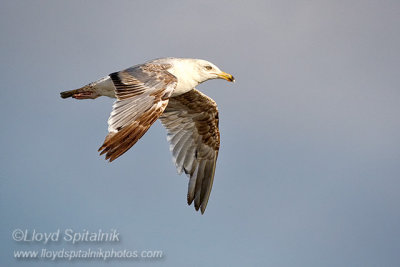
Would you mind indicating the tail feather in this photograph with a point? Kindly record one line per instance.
(70, 93)
(102, 87)
(87, 92)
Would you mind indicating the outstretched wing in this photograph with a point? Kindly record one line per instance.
(191, 120)
(142, 95)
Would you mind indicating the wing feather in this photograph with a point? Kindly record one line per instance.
(199, 179)
(142, 95)
(191, 120)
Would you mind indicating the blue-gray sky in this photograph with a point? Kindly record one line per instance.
(308, 172)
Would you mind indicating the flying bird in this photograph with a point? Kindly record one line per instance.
(164, 89)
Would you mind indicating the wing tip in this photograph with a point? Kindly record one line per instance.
(203, 210)
(202, 206)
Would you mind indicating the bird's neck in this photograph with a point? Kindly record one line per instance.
(186, 77)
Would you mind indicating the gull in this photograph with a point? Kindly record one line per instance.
(164, 89)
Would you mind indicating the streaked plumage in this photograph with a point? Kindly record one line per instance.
(164, 88)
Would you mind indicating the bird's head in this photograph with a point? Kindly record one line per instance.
(208, 70)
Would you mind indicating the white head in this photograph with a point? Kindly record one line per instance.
(191, 72)
(204, 70)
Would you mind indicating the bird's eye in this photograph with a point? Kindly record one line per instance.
(208, 67)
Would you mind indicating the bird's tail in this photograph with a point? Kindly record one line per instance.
(86, 92)
(93, 90)
(70, 93)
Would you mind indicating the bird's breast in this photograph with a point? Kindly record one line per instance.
(183, 86)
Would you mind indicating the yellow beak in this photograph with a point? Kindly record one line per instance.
(226, 76)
